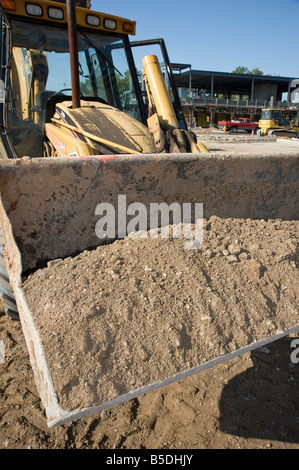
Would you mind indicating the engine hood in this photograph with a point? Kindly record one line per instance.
(105, 123)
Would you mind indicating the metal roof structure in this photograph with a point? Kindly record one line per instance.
(211, 80)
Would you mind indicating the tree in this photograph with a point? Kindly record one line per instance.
(256, 71)
(246, 71)
(241, 69)
(123, 83)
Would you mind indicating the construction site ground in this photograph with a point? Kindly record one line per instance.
(242, 142)
(248, 402)
(253, 146)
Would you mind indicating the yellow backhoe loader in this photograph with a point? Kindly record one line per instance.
(278, 122)
(76, 135)
(66, 86)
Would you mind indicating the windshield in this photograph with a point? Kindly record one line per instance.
(41, 72)
(273, 114)
(266, 114)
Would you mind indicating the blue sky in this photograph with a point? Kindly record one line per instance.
(218, 35)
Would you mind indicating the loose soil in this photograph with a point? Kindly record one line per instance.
(132, 310)
(249, 402)
(140, 310)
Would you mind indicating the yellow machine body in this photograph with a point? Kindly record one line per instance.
(281, 122)
(105, 125)
(96, 129)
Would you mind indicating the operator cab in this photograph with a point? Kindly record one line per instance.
(38, 50)
(276, 115)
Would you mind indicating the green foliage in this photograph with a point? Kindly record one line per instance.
(241, 69)
(256, 71)
(246, 71)
(123, 83)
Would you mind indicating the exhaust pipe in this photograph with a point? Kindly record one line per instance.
(73, 46)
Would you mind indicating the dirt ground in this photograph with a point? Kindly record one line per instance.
(249, 402)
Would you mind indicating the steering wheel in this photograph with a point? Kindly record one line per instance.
(61, 91)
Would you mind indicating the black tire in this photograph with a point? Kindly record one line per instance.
(6, 293)
(234, 129)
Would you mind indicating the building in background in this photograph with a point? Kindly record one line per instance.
(208, 97)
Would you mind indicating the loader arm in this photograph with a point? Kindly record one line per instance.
(162, 120)
(169, 77)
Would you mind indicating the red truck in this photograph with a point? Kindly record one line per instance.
(244, 124)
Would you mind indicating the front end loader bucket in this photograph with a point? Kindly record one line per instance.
(50, 211)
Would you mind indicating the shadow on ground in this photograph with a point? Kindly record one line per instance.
(263, 401)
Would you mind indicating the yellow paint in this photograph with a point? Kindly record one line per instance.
(94, 137)
(123, 25)
(65, 143)
(156, 86)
